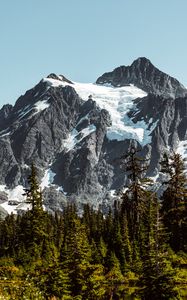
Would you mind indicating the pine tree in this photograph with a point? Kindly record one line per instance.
(135, 195)
(33, 193)
(35, 220)
(117, 241)
(76, 255)
(126, 244)
(174, 201)
(54, 282)
(157, 278)
(114, 276)
(8, 236)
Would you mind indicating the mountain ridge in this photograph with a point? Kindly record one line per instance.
(73, 133)
(146, 76)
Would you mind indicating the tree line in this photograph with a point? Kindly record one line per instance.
(135, 251)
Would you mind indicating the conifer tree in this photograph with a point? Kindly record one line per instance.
(126, 244)
(54, 282)
(114, 276)
(33, 193)
(35, 220)
(157, 278)
(76, 254)
(174, 200)
(134, 197)
(8, 236)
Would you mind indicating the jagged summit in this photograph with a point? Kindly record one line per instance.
(142, 61)
(143, 64)
(59, 77)
(143, 74)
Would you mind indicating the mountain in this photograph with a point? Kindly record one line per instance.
(73, 132)
(143, 74)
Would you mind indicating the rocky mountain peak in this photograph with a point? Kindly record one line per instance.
(59, 77)
(143, 74)
(142, 61)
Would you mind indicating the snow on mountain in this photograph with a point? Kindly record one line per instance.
(41, 105)
(118, 101)
(75, 137)
(182, 150)
(5, 132)
(48, 178)
(12, 205)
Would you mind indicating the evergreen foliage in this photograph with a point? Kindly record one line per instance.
(157, 274)
(94, 256)
(174, 201)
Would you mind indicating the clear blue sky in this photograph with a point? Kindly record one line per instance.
(82, 39)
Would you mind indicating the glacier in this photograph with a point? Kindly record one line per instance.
(118, 101)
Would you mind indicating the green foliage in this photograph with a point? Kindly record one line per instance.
(174, 201)
(125, 254)
(157, 274)
(33, 193)
(135, 196)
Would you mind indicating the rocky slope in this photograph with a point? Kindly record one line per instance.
(143, 74)
(74, 132)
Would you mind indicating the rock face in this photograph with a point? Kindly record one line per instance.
(144, 75)
(60, 127)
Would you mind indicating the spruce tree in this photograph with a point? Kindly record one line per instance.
(76, 255)
(174, 200)
(35, 220)
(33, 193)
(135, 195)
(157, 280)
(114, 276)
(126, 244)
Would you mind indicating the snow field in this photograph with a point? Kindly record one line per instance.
(117, 101)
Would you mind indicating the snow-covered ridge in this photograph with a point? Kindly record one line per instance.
(117, 101)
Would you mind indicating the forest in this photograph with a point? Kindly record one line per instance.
(137, 250)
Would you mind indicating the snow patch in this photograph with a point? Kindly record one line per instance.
(5, 132)
(182, 150)
(113, 193)
(83, 119)
(155, 178)
(76, 136)
(14, 208)
(48, 178)
(61, 189)
(23, 112)
(2, 188)
(38, 107)
(41, 105)
(55, 82)
(16, 194)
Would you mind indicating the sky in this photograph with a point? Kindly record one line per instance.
(82, 39)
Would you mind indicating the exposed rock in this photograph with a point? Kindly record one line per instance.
(54, 128)
(143, 74)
